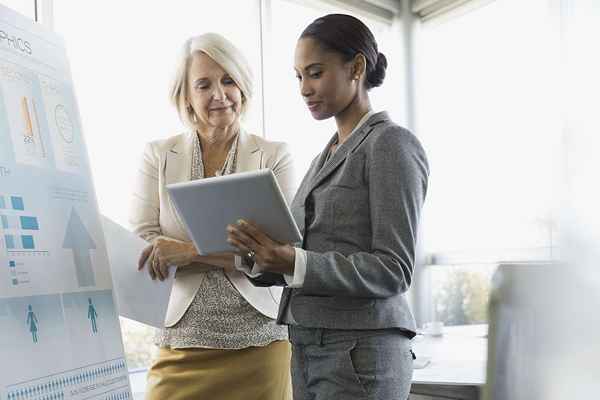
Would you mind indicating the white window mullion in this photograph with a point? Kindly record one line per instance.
(265, 57)
(44, 12)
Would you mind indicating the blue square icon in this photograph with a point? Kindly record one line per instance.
(12, 264)
(29, 223)
(17, 203)
(27, 241)
(15, 281)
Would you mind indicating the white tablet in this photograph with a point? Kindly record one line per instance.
(207, 206)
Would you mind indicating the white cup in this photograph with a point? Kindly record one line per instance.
(433, 328)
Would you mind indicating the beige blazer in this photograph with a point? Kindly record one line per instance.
(153, 214)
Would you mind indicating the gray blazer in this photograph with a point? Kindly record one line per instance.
(359, 212)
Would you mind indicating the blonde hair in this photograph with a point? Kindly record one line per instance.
(224, 53)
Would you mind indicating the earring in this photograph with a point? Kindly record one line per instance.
(190, 111)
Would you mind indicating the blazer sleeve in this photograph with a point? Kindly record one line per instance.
(397, 173)
(144, 212)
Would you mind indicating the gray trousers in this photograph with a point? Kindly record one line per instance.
(332, 364)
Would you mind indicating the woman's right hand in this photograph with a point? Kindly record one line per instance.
(164, 253)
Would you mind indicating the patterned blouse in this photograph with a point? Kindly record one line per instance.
(219, 317)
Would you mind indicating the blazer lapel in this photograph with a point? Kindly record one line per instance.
(249, 156)
(178, 168)
(307, 183)
(178, 161)
(345, 149)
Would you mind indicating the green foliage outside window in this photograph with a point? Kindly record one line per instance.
(460, 295)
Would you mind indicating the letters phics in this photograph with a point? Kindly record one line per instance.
(15, 42)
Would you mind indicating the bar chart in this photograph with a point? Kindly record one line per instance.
(19, 228)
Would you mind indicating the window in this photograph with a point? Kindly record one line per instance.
(489, 119)
(459, 293)
(582, 93)
(123, 57)
(27, 7)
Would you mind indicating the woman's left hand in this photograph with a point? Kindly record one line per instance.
(270, 255)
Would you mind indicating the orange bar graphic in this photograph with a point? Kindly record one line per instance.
(26, 117)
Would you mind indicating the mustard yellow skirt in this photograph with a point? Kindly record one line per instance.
(197, 374)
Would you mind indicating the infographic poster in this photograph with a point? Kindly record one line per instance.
(59, 331)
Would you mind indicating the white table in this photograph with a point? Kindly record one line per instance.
(458, 363)
(137, 379)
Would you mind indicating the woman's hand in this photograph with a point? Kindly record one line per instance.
(270, 255)
(166, 252)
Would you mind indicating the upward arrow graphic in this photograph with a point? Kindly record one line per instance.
(79, 240)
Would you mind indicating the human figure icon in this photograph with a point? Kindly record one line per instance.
(92, 315)
(32, 321)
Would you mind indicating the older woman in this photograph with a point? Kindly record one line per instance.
(220, 339)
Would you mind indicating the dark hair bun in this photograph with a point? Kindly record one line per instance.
(349, 36)
(376, 76)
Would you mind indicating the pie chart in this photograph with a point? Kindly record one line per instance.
(64, 123)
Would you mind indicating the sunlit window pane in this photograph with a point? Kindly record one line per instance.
(25, 7)
(488, 114)
(460, 293)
